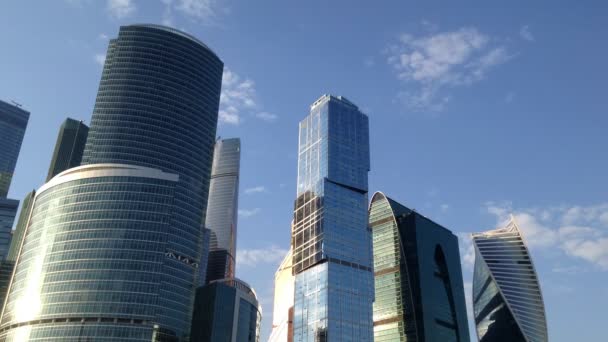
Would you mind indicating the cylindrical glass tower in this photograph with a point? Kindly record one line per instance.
(156, 109)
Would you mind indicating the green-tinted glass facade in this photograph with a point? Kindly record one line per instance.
(69, 147)
(18, 233)
(94, 258)
(419, 293)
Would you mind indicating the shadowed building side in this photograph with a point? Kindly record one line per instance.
(13, 122)
(69, 147)
(419, 293)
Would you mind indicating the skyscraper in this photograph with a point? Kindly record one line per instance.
(222, 208)
(418, 280)
(331, 242)
(112, 248)
(507, 299)
(24, 215)
(69, 147)
(226, 310)
(13, 122)
(8, 211)
(282, 313)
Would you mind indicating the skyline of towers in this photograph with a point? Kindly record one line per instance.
(222, 209)
(69, 147)
(134, 210)
(507, 299)
(419, 293)
(226, 310)
(331, 243)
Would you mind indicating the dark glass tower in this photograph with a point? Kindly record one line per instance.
(112, 249)
(418, 280)
(226, 310)
(69, 147)
(507, 299)
(13, 122)
(222, 208)
(331, 242)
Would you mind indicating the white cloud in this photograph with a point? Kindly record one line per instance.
(467, 250)
(525, 33)
(249, 212)
(578, 231)
(197, 9)
(239, 95)
(100, 58)
(268, 117)
(255, 190)
(121, 8)
(255, 257)
(442, 60)
(103, 36)
(444, 207)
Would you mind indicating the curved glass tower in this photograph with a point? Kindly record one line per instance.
(222, 208)
(156, 110)
(418, 280)
(507, 298)
(226, 310)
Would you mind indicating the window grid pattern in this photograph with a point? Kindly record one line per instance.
(95, 250)
(332, 260)
(13, 122)
(506, 292)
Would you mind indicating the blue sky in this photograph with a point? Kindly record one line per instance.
(476, 112)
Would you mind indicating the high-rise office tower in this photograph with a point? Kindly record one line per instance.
(507, 300)
(112, 248)
(331, 242)
(18, 233)
(226, 310)
(222, 208)
(8, 211)
(13, 122)
(282, 313)
(418, 279)
(69, 147)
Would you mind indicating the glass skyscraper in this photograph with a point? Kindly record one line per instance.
(507, 299)
(69, 147)
(18, 233)
(112, 249)
(222, 208)
(226, 310)
(13, 122)
(331, 242)
(418, 279)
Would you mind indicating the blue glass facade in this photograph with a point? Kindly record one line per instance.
(330, 239)
(507, 299)
(222, 209)
(156, 109)
(226, 310)
(419, 294)
(8, 211)
(13, 122)
(69, 147)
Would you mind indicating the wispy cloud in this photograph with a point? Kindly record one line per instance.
(239, 96)
(525, 33)
(578, 231)
(103, 36)
(201, 11)
(268, 117)
(435, 62)
(249, 212)
(100, 58)
(255, 190)
(256, 257)
(121, 8)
